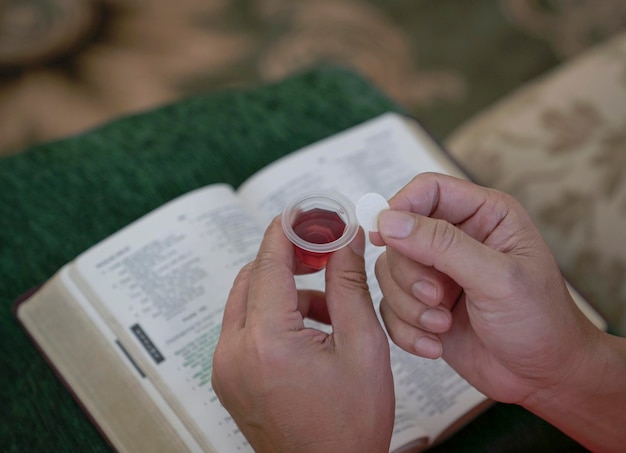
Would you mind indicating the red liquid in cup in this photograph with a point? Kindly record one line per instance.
(317, 226)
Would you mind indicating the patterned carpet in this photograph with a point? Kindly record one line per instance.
(69, 65)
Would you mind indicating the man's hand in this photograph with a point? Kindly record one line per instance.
(297, 389)
(467, 275)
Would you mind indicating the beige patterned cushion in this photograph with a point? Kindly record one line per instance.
(559, 146)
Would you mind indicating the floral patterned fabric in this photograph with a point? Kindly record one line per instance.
(67, 66)
(559, 146)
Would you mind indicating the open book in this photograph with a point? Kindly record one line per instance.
(130, 325)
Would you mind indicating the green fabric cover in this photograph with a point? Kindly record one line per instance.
(58, 199)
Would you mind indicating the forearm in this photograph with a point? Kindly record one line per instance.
(590, 406)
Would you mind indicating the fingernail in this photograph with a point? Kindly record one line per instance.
(395, 224)
(435, 320)
(425, 291)
(428, 347)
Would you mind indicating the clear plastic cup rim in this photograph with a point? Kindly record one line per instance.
(324, 199)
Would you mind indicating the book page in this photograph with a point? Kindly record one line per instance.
(161, 284)
(380, 156)
(88, 358)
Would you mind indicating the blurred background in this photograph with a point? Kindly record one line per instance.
(69, 65)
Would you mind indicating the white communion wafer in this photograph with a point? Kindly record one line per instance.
(368, 208)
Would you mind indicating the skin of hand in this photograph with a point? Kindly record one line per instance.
(467, 276)
(293, 388)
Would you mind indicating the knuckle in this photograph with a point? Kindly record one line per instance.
(247, 269)
(444, 236)
(353, 279)
(220, 373)
(400, 334)
(262, 350)
(264, 267)
(266, 259)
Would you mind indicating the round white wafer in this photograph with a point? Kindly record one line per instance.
(368, 208)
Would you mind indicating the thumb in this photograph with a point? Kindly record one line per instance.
(347, 294)
(440, 244)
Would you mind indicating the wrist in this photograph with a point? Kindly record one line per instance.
(590, 399)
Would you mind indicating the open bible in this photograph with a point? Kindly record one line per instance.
(130, 325)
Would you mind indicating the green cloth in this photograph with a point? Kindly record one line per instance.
(58, 199)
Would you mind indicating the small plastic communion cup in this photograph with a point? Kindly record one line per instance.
(319, 223)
